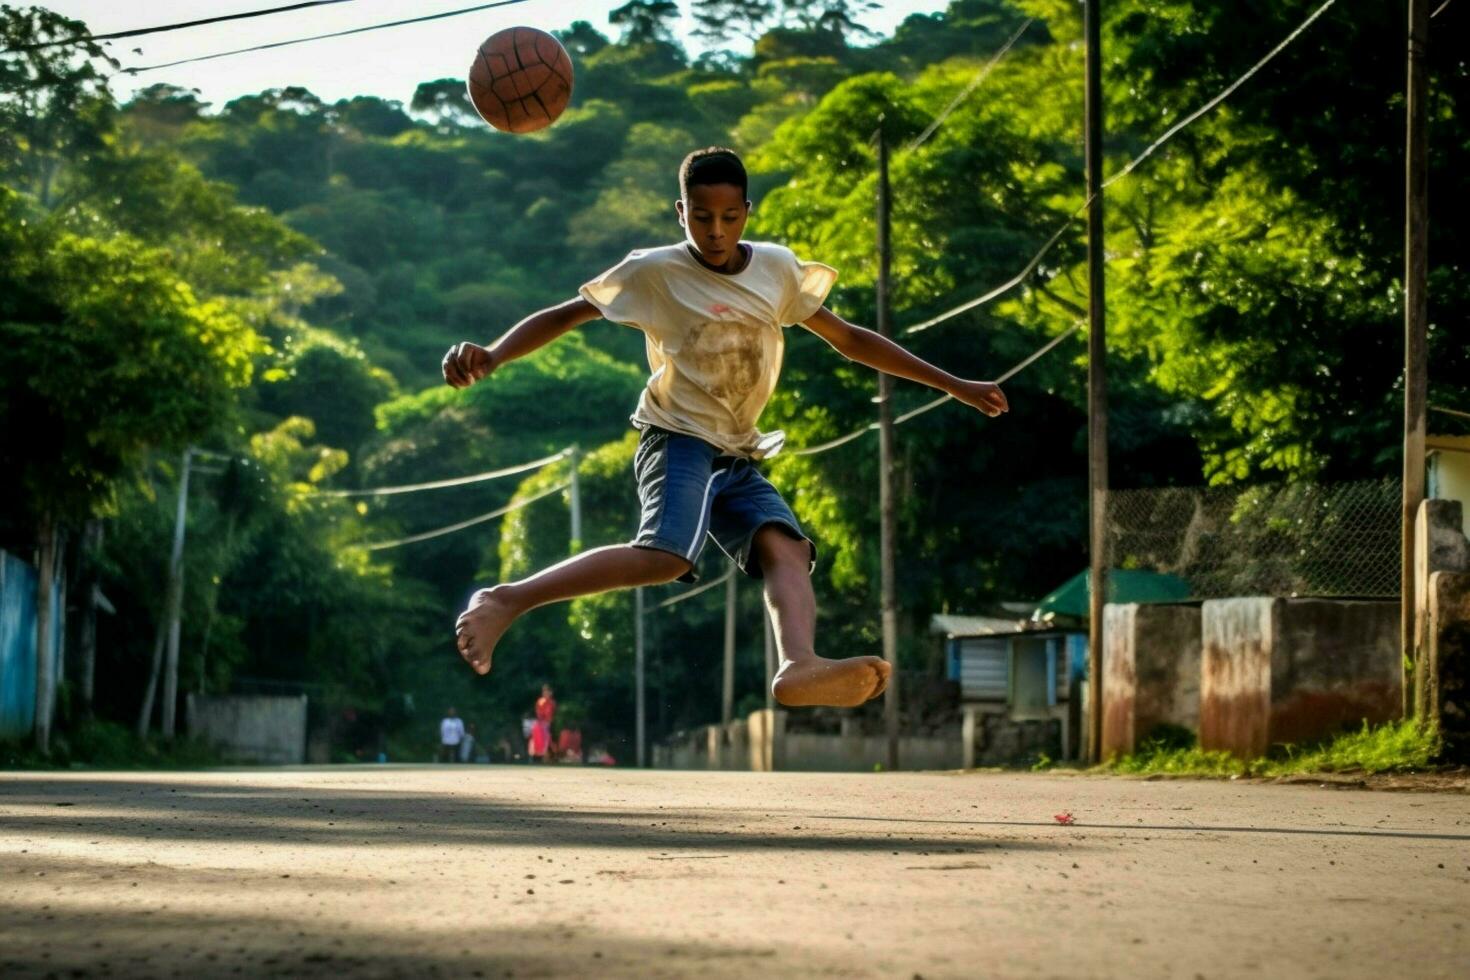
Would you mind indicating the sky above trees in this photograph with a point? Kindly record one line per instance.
(388, 64)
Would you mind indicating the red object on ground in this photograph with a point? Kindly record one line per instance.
(1064, 818)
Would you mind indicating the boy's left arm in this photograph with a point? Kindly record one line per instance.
(878, 352)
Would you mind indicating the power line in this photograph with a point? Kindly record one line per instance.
(1440, 9)
(1450, 411)
(164, 28)
(968, 90)
(320, 37)
(1169, 134)
(453, 482)
(1030, 359)
(691, 593)
(451, 528)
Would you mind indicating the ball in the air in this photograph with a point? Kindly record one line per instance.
(521, 80)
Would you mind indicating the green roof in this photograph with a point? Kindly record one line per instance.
(1124, 585)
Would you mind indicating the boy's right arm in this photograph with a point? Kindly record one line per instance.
(467, 362)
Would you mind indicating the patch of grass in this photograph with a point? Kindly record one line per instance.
(1400, 746)
(105, 745)
(1155, 759)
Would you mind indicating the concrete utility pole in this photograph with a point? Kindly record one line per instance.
(727, 681)
(885, 462)
(45, 663)
(575, 492)
(770, 652)
(638, 675)
(175, 600)
(1416, 319)
(1097, 380)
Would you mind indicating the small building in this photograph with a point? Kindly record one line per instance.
(1449, 469)
(1018, 680)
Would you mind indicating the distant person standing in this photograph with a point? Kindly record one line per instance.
(451, 733)
(541, 731)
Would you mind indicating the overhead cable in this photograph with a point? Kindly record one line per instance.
(691, 593)
(968, 90)
(451, 528)
(164, 28)
(321, 37)
(458, 481)
(1030, 359)
(1169, 134)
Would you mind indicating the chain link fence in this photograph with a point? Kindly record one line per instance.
(1297, 539)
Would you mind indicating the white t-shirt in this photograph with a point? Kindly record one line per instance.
(714, 340)
(451, 730)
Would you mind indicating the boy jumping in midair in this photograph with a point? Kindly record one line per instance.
(712, 309)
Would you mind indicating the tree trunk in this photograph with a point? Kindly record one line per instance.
(45, 665)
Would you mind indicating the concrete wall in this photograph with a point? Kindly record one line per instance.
(863, 753)
(760, 743)
(994, 738)
(1151, 672)
(1448, 661)
(1295, 670)
(263, 729)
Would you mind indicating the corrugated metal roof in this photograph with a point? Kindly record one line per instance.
(951, 625)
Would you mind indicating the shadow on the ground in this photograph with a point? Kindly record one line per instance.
(246, 812)
(123, 942)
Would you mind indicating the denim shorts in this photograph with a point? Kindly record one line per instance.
(689, 492)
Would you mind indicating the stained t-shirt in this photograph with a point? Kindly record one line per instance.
(714, 340)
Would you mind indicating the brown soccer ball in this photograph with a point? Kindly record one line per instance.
(521, 80)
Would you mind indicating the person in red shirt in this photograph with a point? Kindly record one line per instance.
(541, 732)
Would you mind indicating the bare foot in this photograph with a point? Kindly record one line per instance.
(480, 626)
(814, 681)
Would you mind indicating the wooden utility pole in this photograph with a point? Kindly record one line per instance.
(885, 463)
(638, 675)
(1416, 318)
(1097, 380)
(727, 676)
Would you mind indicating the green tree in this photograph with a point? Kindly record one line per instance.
(723, 20)
(582, 39)
(54, 105)
(645, 21)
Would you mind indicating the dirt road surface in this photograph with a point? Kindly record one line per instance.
(461, 871)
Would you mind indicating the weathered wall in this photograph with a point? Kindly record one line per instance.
(863, 753)
(248, 728)
(1448, 660)
(1151, 672)
(1441, 675)
(1005, 741)
(1236, 637)
(760, 743)
(1295, 670)
(1335, 665)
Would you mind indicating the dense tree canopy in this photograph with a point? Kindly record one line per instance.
(277, 279)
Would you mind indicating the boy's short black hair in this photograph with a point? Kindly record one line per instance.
(712, 165)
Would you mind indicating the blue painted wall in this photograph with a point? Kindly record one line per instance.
(18, 646)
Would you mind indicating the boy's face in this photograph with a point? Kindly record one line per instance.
(714, 216)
